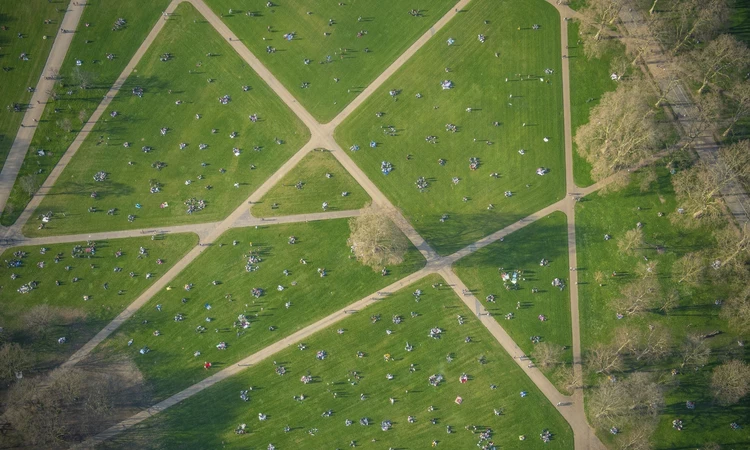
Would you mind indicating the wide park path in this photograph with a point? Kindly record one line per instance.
(33, 114)
(571, 407)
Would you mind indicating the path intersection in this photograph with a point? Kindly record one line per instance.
(571, 407)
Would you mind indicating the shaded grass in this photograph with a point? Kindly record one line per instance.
(317, 188)
(71, 101)
(183, 78)
(209, 418)
(478, 77)
(523, 250)
(390, 30)
(171, 366)
(25, 18)
(87, 317)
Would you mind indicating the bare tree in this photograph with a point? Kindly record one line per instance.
(695, 20)
(647, 269)
(739, 95)
(669, 302)
(652, 344)
(736, 311)
(631, 241)
(606, 358)
(638, 397)
(82, 78)
(596, 18)
(83, 116)
(699, 188)
(621, 130)
(547, 354)
(733, 251)
(65, 124)
(14, 360)
(29, 184)
(637, 297)
(375, 239)
(695, 351)
(730, 382)
(689, 269)
(717, 61)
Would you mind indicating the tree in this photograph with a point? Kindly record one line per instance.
(670, 302)
(596, 17)
(732, 251)
(631, 241)
(637, 297)
(83, 116)
(605, 358)
(637, 397)
(39, 319)
(695, 351)
(730, 382)
(14, 360)
(83, 79)
(29, 184)
(68, 402)
(649, 345)
(699, 188)
(547, 354)
(689, 269)
(736, 311)
(65, 124)
(375, 240)
(739, 95)
(718, 61)
(647, 269)
(695, 20)
(621, 130)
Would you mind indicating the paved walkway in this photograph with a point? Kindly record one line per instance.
(38, 99)
(322, 137)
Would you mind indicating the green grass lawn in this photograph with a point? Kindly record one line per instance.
(317, 188)
(27, 19)
(589, 80)
(387, 30)
(740, 20)
(208, 419)
(523, 250)
(479, 83)
(80, 319)
(189, 172)
(171, 366)
(614, 214)
(90, 45)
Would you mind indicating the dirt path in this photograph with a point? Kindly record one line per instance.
(38, 99)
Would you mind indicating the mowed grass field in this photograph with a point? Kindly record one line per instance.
(363, 39)
(174, 92)
(26, 19)
(171, 366)
(317, 188)
(77, 319)
(90, 45)
(499, 110)
(615, 214)
(523, 251)
(208, 419)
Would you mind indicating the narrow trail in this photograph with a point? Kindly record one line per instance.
(38, 99)
(571, 407)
